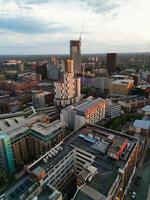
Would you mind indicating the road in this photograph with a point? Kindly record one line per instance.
(143, 171)
(142, 189)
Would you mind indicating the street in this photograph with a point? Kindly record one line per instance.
(142, 189)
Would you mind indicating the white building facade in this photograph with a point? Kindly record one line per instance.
(68, 89)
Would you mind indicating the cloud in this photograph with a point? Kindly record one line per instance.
(29, 25)
(101, 6)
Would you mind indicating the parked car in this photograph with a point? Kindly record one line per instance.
(138, 180)
(133, 195)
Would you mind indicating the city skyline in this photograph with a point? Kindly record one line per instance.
(45, 27)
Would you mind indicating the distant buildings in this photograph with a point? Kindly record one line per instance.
(25, 82)
(89, 111)
(12, 104)
(54, 68)
(121, 87)
(42, 70)
(111, 62)
(41, 98)
(67, 89)
(12, 62)
(75, 54)
(133, 104)
(102, 82)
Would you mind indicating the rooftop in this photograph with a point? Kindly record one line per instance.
(124, 81)
(146, 86)
(107, 166)
(83, 107)
(47, 129)
(146, 108)
(17, 125)
(144, 124)
(27, 183)
(134, 99)
(96, 141)
(48, 193)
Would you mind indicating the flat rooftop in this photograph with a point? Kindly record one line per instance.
(47, 129)
(123, 81)
(25, 184)
(108, 167)
(83, 107)
(135, 99)
(146, 108)
(48, 193)
(144, 124)
(17, 125)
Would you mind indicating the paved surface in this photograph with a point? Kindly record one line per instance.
(142, 189)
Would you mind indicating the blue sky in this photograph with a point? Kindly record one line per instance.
(46, 26)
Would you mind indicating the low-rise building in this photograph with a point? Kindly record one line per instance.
(89, 111)
(10, 104)
(121, 87)
(133, 104)
(41, 98)
(112, 110)
(146, 110)
(142, 126)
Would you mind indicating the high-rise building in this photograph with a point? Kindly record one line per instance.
(75, 53)
(111, 62)
(67, 89)
(54, 68)
(42, 70)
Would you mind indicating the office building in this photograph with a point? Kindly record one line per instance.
(103, 162)
(111, 62)
(67, 89)
(75, 54)
(89, 111)
(112, 110)
(121, 87)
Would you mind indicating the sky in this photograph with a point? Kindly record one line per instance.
(46, 26)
